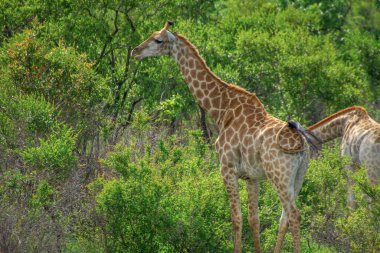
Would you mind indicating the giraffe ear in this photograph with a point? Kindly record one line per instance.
(168, 25)
(171, 36)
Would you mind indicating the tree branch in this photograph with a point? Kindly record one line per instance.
(110, 37)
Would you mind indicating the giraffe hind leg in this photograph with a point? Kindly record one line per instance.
(289, 219)
(284, 222)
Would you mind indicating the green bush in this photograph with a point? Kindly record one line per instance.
(362, 49)
(43, 196)
(168, 199)
(326, 215)
(54, 154)
(324, 197)
(58, 74)
(298, 69)
(23, 118)
(7, 131)
(39, 115)
(361, 227)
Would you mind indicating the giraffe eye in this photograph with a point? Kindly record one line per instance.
(158, 41)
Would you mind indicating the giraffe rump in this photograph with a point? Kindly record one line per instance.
(309, 136)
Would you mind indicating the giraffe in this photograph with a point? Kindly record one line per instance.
(252, 145)
(360, 141)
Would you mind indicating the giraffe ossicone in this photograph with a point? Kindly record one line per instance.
(251, 143)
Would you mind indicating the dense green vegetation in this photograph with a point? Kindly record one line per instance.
(101, 153)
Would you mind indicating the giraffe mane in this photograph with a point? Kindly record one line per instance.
(203, 63)
(337, 114)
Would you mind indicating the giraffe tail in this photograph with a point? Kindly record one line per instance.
(313, 140)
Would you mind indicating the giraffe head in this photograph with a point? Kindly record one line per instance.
(159, 43)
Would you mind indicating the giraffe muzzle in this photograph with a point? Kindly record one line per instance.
(136, 53)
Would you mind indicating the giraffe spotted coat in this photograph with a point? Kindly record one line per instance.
(249, 145)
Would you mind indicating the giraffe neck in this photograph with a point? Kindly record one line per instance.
(335, 125)
(213, 94)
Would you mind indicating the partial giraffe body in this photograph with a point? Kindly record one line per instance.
(360, 140)
(246, 143)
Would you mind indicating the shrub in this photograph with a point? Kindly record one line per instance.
(361, 227)
(43, 196)
(168, 199)
(59, 74)
(54, 154)
(324, 204)
(324, 197)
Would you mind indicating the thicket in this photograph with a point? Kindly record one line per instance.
(101, 153)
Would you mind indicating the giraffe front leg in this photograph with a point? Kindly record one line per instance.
(231, 182)
(350, 183)
(253, 188)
